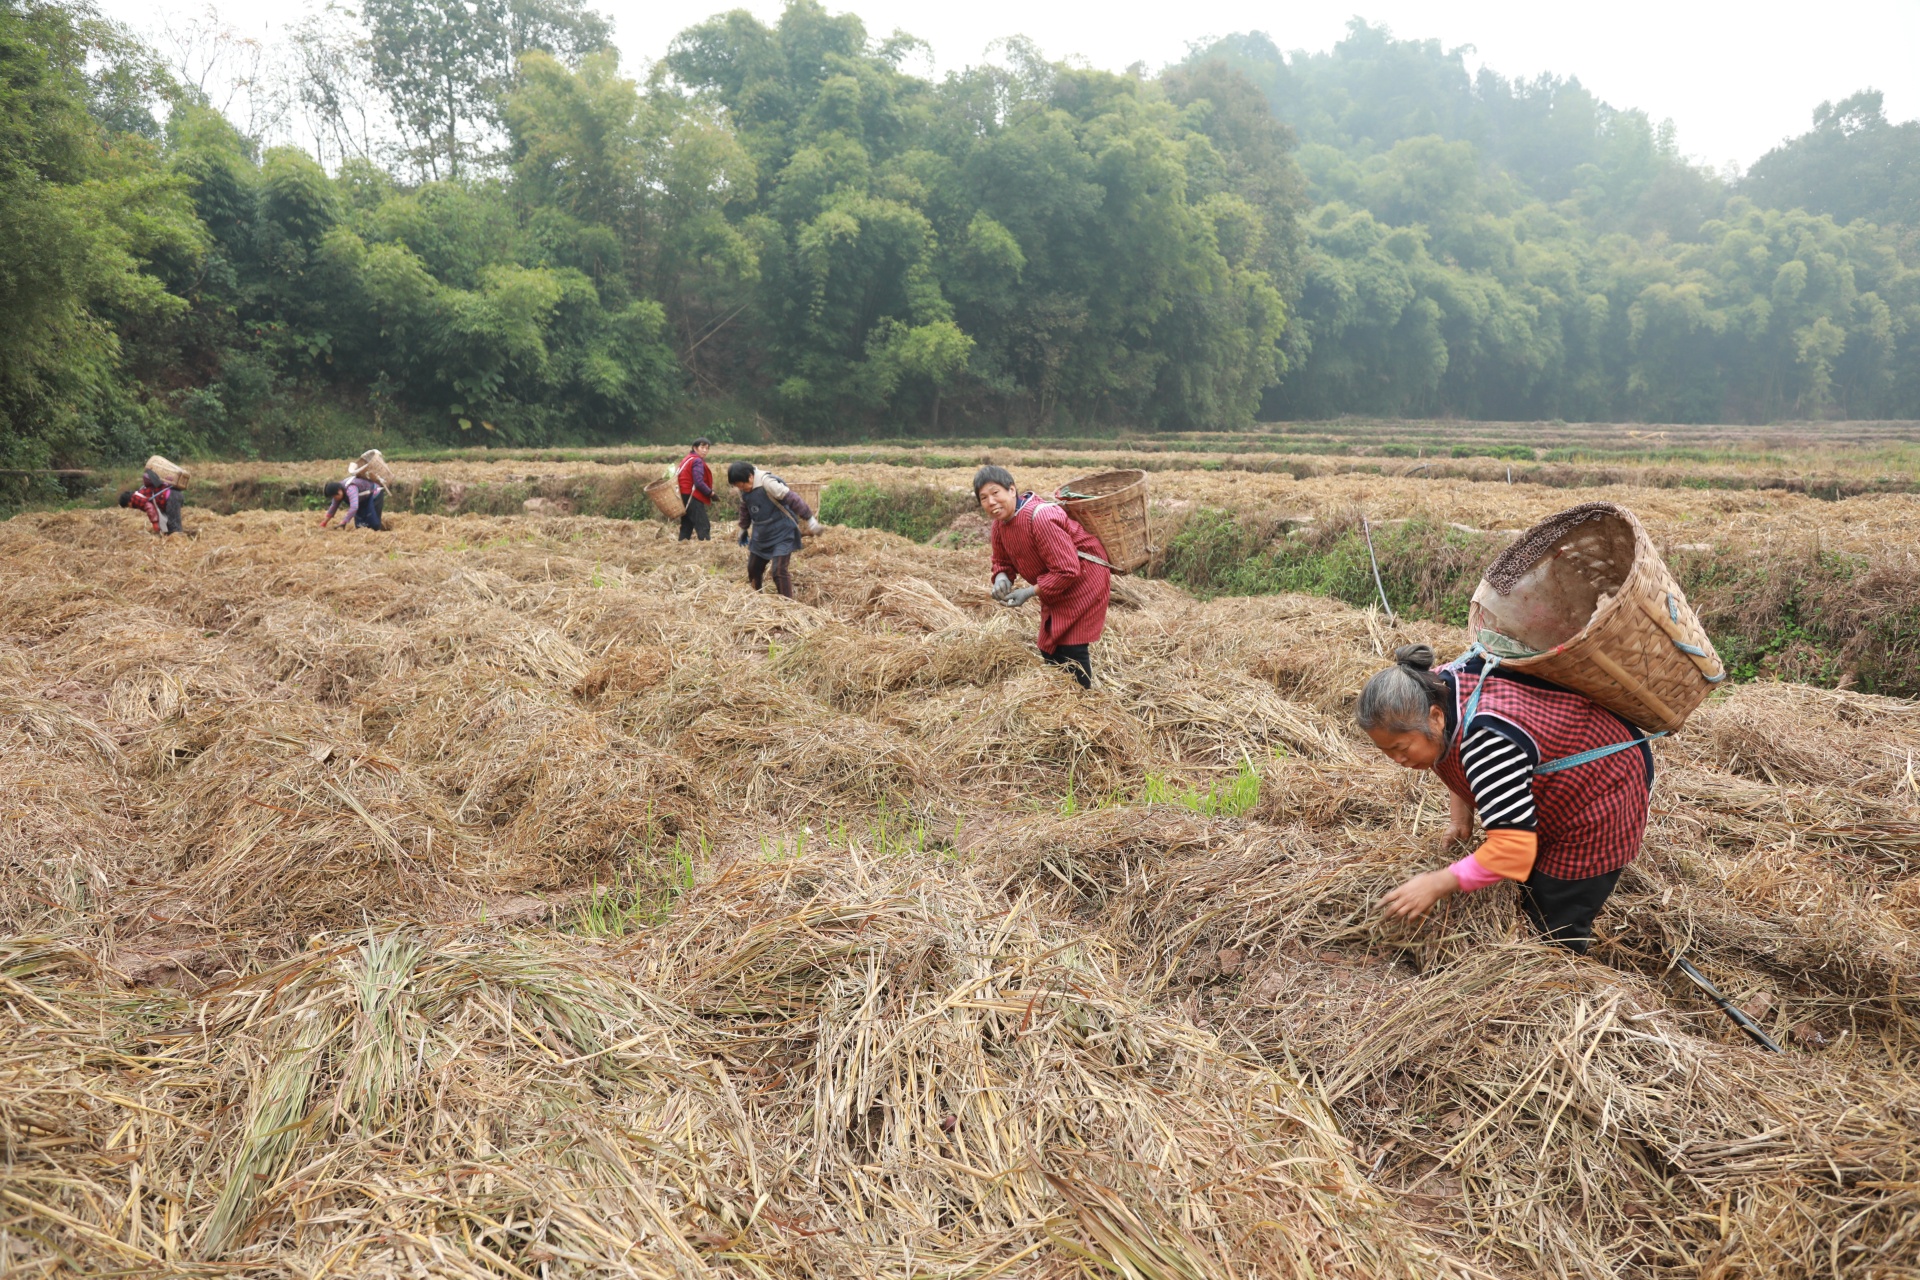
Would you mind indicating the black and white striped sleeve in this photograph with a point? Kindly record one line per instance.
(1501, 777)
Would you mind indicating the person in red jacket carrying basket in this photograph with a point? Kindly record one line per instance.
(1037, 540)
(160, 502)
(695, 478)
(1562, 785)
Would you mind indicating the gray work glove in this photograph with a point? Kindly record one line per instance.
(813, 524)
(1002, 587)
(1020, 597)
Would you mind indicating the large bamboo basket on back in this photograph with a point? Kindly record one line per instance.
(809, 491)
(169, 473)
(665, 493)
(1587, 591)
(373, 465)
(1112, 506)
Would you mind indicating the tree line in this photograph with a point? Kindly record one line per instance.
(491, 233)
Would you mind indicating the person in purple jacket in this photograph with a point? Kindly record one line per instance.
(363, 496)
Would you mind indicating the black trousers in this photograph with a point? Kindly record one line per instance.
(693, 521)
(1563, 910)
(1077, 658)
(782, 580)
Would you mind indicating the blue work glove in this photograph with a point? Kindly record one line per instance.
(743, 539)
(1020, 597)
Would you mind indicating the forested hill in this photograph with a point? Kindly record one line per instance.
(469, 223)
(1503, 248)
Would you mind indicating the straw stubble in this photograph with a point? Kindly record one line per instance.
(526, 897)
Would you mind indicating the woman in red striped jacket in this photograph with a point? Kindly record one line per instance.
(1563, 828)
(1037, 540)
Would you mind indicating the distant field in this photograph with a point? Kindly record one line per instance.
(1826, 460)
(1801, 574)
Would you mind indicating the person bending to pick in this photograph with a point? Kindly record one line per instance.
(1561, 783)
(1039, 541)
(771, 517)
(695, 479)
(364, 497)
(161, 502)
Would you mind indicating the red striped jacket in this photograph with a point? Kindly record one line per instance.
(1042, 544)
(1591, 817)
(154, 503)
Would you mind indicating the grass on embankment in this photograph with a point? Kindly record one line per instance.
(1793, 613)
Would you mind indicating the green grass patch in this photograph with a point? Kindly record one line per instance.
(1429, 570)
(912, 511)
(1233, 798)
(640, 897)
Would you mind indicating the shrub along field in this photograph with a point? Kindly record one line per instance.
(519, 894)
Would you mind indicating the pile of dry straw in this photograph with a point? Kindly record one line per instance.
(527, 898)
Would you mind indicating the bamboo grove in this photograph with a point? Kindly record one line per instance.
(785, 230)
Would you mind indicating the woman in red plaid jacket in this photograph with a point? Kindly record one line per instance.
(1563, 832)
(1037, 540)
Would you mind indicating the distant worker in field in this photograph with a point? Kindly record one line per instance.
(695, 479)
(363, 497)
(771, 517)
(1037, 540)
(1562, 785)
(160, 502)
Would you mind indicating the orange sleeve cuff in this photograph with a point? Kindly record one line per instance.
(1509, 854)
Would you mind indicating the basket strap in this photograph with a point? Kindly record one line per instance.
(1691, 650)
(1597, 753)
(1545, 766)
(1473, 699)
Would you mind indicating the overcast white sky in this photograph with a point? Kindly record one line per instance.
(1736, 77)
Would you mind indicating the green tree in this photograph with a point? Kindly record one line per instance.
(87, 208)
(1854, 163)
(447, 65)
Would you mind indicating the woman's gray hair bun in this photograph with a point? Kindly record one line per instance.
(1401, 699)
(1417, 656)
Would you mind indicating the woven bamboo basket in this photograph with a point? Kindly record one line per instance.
(1112, 506)
(809, 491)
(373, 465)
(665, 493)
(1587, 591)
(169, 472)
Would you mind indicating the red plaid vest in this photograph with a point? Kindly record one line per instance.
(1591, 817)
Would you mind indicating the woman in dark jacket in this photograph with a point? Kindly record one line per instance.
(771, 518)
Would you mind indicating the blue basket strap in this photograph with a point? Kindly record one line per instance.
(1473, 700)
(1692, 650)
(1564, 762)
(1597, 753)
(1695, 651)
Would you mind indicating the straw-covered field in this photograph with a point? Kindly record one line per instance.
(522, 896)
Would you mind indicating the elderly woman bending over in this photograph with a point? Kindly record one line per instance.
(1561, 784)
